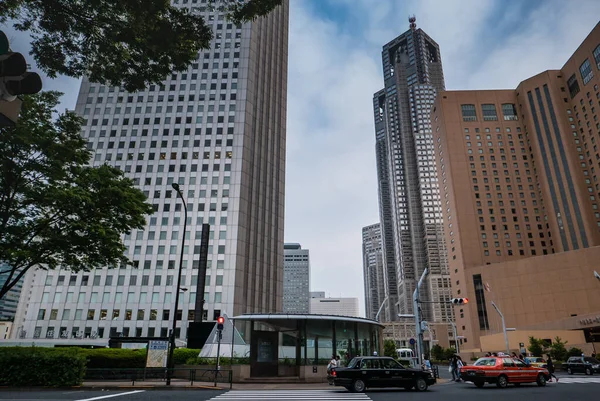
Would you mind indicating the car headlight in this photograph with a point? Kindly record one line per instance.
(596, 366)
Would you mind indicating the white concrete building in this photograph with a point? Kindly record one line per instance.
(218, 130)
(334, 306)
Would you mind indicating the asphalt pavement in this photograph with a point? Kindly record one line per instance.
(576, 387)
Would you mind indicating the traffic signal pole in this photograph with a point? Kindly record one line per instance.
(220, 322)
(503, 328)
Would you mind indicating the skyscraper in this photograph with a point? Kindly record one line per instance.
(296, 279)
(519, 171)
(218, 130)
(373, 269)
(409, 203)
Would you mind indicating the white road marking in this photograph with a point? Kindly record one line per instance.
(577, 380)
(335, 395)
(111, 395)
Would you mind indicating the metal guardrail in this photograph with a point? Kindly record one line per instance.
(153, 374)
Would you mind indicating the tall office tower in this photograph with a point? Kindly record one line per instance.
(296, 279)
(9, 303)
(519, 171)
(218, 130)
(373, 269)
(409, 204)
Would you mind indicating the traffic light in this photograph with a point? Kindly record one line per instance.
(460, 301)
(14, 81)
(220, 321)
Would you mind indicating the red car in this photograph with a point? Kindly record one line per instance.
(503, 370)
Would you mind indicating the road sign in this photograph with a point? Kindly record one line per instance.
(157, 354)
(412, 341)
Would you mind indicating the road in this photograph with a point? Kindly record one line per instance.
(568, 388)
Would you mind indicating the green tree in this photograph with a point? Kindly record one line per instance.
(127, 43)
(389, 348)
(437, 353)
(56, 210)
(574, 351)
(449, 353)
(558, 351)
(536, 346)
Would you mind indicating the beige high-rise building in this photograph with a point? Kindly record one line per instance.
(519, 180)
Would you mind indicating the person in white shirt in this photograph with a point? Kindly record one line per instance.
(332, 364)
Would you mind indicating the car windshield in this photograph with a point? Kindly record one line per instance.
(591, 360)
(535, 359)
(353, 362)
(485, 362)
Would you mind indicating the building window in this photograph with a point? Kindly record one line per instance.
(597, 56)
(573, 85)
(480, 300)
(489, 112)
(586, 71)
(468, 112)
(509, 111)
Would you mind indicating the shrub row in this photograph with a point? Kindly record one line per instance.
(51, 367)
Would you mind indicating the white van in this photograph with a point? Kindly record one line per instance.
(405, 353)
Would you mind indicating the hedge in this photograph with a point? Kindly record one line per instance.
(34, 366)
(102, 358)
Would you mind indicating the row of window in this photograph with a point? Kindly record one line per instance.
(489, 113)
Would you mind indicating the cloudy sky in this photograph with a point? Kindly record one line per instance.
(334, 69)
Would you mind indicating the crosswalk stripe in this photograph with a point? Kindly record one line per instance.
(283, 395)
(569, 380)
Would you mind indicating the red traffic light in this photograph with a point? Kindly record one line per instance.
(466, 300)
(220, 320)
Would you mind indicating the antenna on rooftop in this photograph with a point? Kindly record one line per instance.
(413, 22)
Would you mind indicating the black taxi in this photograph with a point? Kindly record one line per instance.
(372, 371)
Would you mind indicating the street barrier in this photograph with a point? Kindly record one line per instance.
(160, 374)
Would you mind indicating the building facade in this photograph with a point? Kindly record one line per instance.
(9, 303)
(519, 175)
(372, 248)
(219, 131)
(409, 204)
(296, 279)
(321, 305)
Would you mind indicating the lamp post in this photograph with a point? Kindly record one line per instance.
(503, 328)
(170, 362)
(380, 308)
(418, 315)
(456, 342)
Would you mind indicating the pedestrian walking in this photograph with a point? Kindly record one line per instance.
(452, 368)
(459, 365)
(550, 367)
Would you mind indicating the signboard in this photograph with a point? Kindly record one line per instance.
(411, 341)
(157, 354)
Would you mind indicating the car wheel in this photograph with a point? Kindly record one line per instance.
(541, 380)
(589, 371)
(421, 384)
(358, 386)
(569, 371)
(479, 384)
(502, 381)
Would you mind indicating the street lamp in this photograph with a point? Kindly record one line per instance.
(170, 363)
(380, 308)
(504, 329)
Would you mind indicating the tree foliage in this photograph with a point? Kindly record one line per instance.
(55, 210)
(437, 352)
(536, 346)
(574, 351)
(558, 351)
(126, 43)
(389, 348)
